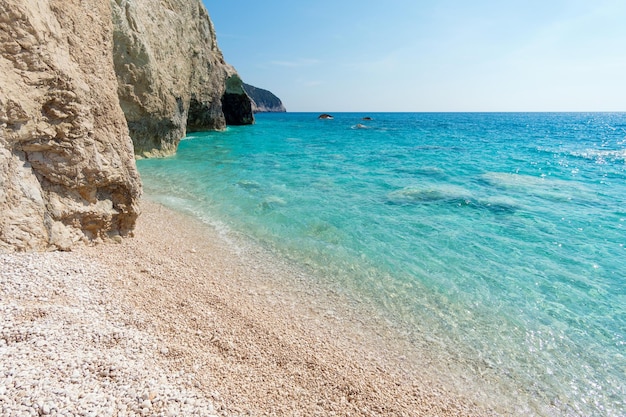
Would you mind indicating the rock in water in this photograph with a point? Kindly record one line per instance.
(172, 75)
(67, 170)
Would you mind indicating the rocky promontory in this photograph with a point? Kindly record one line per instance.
(172, 76)
(264, 101)
(85, 86)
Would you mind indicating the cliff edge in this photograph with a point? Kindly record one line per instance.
(172, 76)
(86, 85)
(67, 170)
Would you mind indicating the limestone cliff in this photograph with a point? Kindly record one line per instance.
(67, 170)
(78, 80)
(264, 101)
(172, 76)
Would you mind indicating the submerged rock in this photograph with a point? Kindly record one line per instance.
(429, 193)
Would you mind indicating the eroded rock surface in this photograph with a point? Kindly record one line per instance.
(172, 75)
(67, 170)
(80, 79)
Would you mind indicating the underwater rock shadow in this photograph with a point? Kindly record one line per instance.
(452, 196)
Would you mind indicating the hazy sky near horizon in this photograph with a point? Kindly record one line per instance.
(435, 55)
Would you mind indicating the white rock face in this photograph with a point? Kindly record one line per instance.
(79, 80)
(172, 75)
(67, 170)
(76, 76)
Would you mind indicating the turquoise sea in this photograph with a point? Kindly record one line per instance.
(497, 241)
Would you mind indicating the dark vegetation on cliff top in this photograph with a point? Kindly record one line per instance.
(263, 100)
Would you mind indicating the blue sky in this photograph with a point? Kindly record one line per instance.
(436, 55)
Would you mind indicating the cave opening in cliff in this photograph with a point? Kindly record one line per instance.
(237, 109)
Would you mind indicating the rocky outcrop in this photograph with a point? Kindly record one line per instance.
(67, 170)
(264, 101)
(172, 76)
(79, 79)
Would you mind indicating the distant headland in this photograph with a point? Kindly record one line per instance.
(263, 101)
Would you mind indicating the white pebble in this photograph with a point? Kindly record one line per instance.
(82, 353)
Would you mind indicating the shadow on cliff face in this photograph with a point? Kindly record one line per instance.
(172, 77)
(67, 171)
(164, 90)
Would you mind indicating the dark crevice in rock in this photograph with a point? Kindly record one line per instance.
(202, 116)
(169, 68)
(237, 109)
(152, 134)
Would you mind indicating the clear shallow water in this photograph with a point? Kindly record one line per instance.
(497, 242)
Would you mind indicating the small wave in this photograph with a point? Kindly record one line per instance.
(190, 206)
(602, 156)
(173, 201)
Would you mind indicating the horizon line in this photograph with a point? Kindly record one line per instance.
(451, 111)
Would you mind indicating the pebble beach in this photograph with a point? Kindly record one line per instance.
(181, 320)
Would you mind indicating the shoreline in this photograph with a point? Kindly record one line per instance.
(248, 332)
